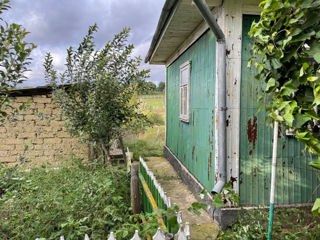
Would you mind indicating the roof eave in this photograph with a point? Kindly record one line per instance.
(163, 21)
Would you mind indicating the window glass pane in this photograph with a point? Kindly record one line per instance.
(181, 100)
(185, 75)
(185, 98)
(184, 90)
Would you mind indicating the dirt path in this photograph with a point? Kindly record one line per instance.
(201, 227)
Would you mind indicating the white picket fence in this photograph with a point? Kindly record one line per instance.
(182, 234)
(162, 193)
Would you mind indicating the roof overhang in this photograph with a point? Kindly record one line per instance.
(178, 19)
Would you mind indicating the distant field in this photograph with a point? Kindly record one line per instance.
(154, 102)
(151, 141)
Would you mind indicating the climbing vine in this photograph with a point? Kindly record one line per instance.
(286, 54)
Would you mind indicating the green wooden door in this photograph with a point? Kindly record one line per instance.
(296, 181)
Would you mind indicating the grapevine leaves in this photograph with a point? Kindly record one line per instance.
(286, 54)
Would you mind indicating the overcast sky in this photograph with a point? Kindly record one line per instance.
(54, 25)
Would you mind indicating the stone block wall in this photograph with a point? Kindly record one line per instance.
(41, 127)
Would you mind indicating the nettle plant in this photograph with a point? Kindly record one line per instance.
(286, 54)
(97, 91)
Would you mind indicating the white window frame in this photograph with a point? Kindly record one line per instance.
(184, 112)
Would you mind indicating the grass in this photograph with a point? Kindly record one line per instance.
(144, 148)
(71, 201)
(150, 142)
(289, 223)
(154, 102)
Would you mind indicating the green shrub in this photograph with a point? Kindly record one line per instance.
(156, 118)
(70, 201)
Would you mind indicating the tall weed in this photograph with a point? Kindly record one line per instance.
(289, 223)
(70, 201)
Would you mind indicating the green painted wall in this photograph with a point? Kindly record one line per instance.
(296, 181)
(193, 142)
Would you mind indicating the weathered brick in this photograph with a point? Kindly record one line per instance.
(20, 147)
(23, 99)
(37, 141)
(30, 117)
(42, 122)
(47, 110)
(7, 147)
(52, 140)
(9, 159)
(63, 134)
(39, 147)
(49, 152)
(25, 135)
(46, 135)
(16, 153)
(55, 123)
(42, 100)
(12, 141)
(56, 111)
(58, 147)
(19, 117)
(10, 134)
(35, 153)
(3, 154)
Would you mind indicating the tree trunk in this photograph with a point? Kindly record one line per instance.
(106, 153)
(134, 187)
(92, 153)
(123, 150)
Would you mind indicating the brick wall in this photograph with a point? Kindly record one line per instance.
(41, 127)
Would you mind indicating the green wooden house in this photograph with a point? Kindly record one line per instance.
(213, 138)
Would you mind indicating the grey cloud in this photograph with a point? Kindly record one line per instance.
(55, 25)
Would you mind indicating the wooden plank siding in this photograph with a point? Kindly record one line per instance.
(296, 181)
(193, 143)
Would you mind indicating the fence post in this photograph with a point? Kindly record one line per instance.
(129, 156)
(135, 193)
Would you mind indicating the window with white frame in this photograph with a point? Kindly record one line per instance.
(184, 91)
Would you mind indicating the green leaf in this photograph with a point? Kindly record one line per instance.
(315, 164)
(312, 79)
(314, 50)
(288, 117)
(316, 207)
(217, 200)
(300, 120)
(271, 84)
(312, 114)
(304, 67)
(196, 206)
(276, 64)
(303, 136)
(173, 223)
(276, 117)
